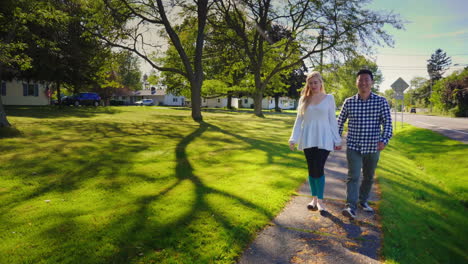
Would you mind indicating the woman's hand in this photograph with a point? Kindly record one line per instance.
(338, 147)
(292, 146)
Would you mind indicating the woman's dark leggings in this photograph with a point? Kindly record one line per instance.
(316, 159)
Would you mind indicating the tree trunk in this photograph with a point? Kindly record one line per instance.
(3, 117)
(196, 99)
(59, 97)
(277, 109)
(229, 99)
(258, 96)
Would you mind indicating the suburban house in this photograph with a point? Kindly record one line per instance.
(248, 102)
(219, 102)
(268, 103)
(19, 92)
(159, 96)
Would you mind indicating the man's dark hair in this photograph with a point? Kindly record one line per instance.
(365, 71)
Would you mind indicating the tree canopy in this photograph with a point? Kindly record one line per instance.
(340, 78)
(316, 27)
(438, 64)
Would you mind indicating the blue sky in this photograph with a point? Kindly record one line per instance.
(431, 25)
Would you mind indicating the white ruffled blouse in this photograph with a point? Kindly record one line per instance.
(317, 127)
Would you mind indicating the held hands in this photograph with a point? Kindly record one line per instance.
(292, 146)
(338, 147)
(380, 146)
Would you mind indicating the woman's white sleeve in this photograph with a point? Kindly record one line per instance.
(296, 132)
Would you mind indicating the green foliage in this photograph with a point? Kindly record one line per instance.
(389, 95)
(23, 25)
(418, 93)
(340, 78)
(213, 88)
(49, 43)
(121, 69)
(153, 78)
(437, 64)
(451, 93)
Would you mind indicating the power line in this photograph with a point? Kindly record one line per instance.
(419, 55)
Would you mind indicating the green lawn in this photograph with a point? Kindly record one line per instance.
(424, 182)
(149, 185)
(140, 184)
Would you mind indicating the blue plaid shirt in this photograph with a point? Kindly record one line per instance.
(366, 119)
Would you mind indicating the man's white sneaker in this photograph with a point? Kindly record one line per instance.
(348, 212)
(366, 207)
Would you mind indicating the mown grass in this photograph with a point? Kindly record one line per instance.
(140, 184)
(149, 185)
(424, 182)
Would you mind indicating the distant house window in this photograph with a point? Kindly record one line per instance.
(219, 100)
(204, 100)
(174, 100)
(3, 89)
(271, 101)
(30, 89)
(246, 101)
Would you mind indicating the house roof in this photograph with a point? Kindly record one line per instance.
(149, 92)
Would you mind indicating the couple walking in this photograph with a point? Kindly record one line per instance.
(317, 132)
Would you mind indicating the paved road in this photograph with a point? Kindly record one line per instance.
(454, 128)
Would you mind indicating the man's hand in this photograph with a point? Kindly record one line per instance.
(380, 146)
(338, 147)
(292, 146)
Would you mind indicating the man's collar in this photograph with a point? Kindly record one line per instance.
(372, 95)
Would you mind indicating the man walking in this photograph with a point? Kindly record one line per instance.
(369, 130)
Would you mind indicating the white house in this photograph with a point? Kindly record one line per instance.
(19, 92)
(268, 102)
(219, 102)
(159, 96)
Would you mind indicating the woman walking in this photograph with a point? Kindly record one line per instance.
(316, 133)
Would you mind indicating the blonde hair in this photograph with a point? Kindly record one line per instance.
(306, 93)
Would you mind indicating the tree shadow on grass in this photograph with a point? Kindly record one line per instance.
(9, 132)
(135, 233)
(51, 111)
(199, 207)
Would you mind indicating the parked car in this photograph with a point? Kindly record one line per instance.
(145, 102)
(82, 99)
(413, 110)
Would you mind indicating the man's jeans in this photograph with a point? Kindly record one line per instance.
(357, 161)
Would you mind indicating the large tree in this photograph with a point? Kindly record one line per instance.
(21, 24)
(120, 70)
(70, 56)
(340, 78)
(438, 64)
(316, 27)
(121, 23)
(417, 94)
(451, 94)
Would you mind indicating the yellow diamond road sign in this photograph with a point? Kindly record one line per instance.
(399, 85)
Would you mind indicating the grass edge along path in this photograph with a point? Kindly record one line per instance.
(423, 177)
